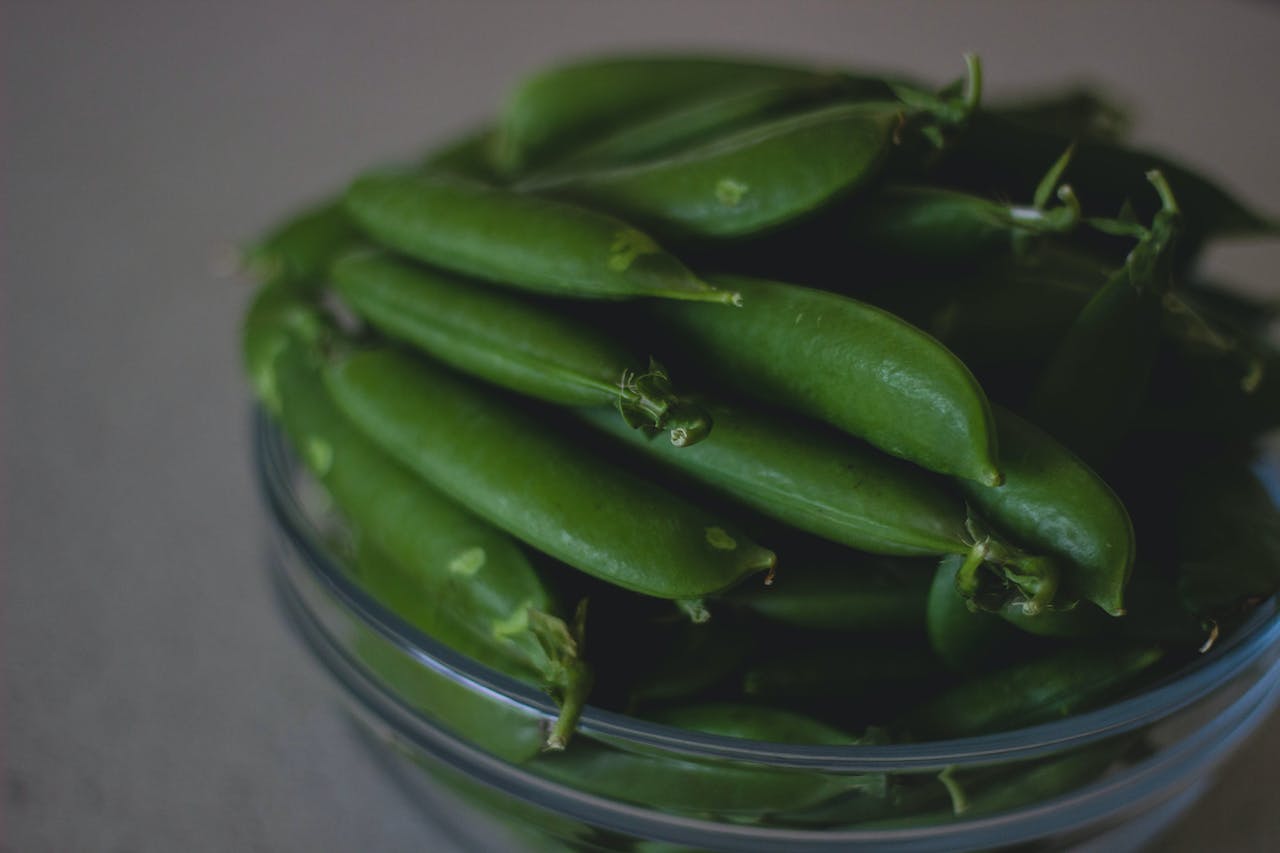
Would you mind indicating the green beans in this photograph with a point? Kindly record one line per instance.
(512, 342)
(459, 579)
(539, 485)
(519, 241)
(759, 177)
(849, 364)
(1054, 502)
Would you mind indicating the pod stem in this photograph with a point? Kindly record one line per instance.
(1011, 576)
(695, 609)
(568, 676)
(647, 400)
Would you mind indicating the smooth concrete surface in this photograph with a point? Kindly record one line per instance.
(152, 698)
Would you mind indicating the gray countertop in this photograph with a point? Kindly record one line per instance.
(153, 699)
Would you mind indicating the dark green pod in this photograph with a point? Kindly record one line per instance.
(1053, 502)
(1091, 389)
(850, 364)
(517, 240)
(869, 669)
(468, 156)
(539, 484)
(457, 578)
(512, 341)
(561, 107)
(815, 479)
(965, 639)
(926, 225)
(997, 155)
(747, 181)
(1040, 691)
(300, 249)
(866, 594)
(733, 790)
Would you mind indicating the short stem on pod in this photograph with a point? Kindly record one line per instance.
(695, 609)
(648, 401)
(568, 676)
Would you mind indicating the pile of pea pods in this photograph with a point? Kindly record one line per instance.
(792, 404)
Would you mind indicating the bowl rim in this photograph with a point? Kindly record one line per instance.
(277, 470)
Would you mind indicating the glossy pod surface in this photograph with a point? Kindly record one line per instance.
(814, 479)
(506, 339)
(854, 366)
(1054, 502)
(517, 240)
(528, 478)
(567, 105)
(748, 181)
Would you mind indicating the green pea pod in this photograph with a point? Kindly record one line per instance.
(747, 181)
(1053, 502)
(512, 342)
(1091, 389)
(537, 483)
(735, 791)
(965, 639)
(300, 249)
(461, 580)
(869, 672)
(556, 109)
(997, 155)
(927, 225)
(517, 240)
(932, 225)
(819, 481)
(511, 732)
(468, 156)
(1078, 113)
(690, 124)
(856, 594)
(687, 663)
(854, 366)
(1025, 694)
(1228, 535)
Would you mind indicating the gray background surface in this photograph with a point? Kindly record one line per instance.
(152, 698)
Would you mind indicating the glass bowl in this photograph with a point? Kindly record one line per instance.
(455, 730)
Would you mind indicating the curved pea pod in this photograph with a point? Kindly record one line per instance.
(849, 364)
(870, 671)
(1091, 389)
(1078, 113)
(927, 225)
(689, 124)
(513, 342)
(537, 483)
(458, 578)
(732, 790)
(965, 639)
(509, 731)
(691, 661)
(300, 249)
(517, 240)
(815, 479)
(819, 481)
(997, 155)
(468, 156)
(748, 181)
(1228, 536)
(562, 107)
(1216, 372)
(866, 594)
(1038, 691)
(1053, 502)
